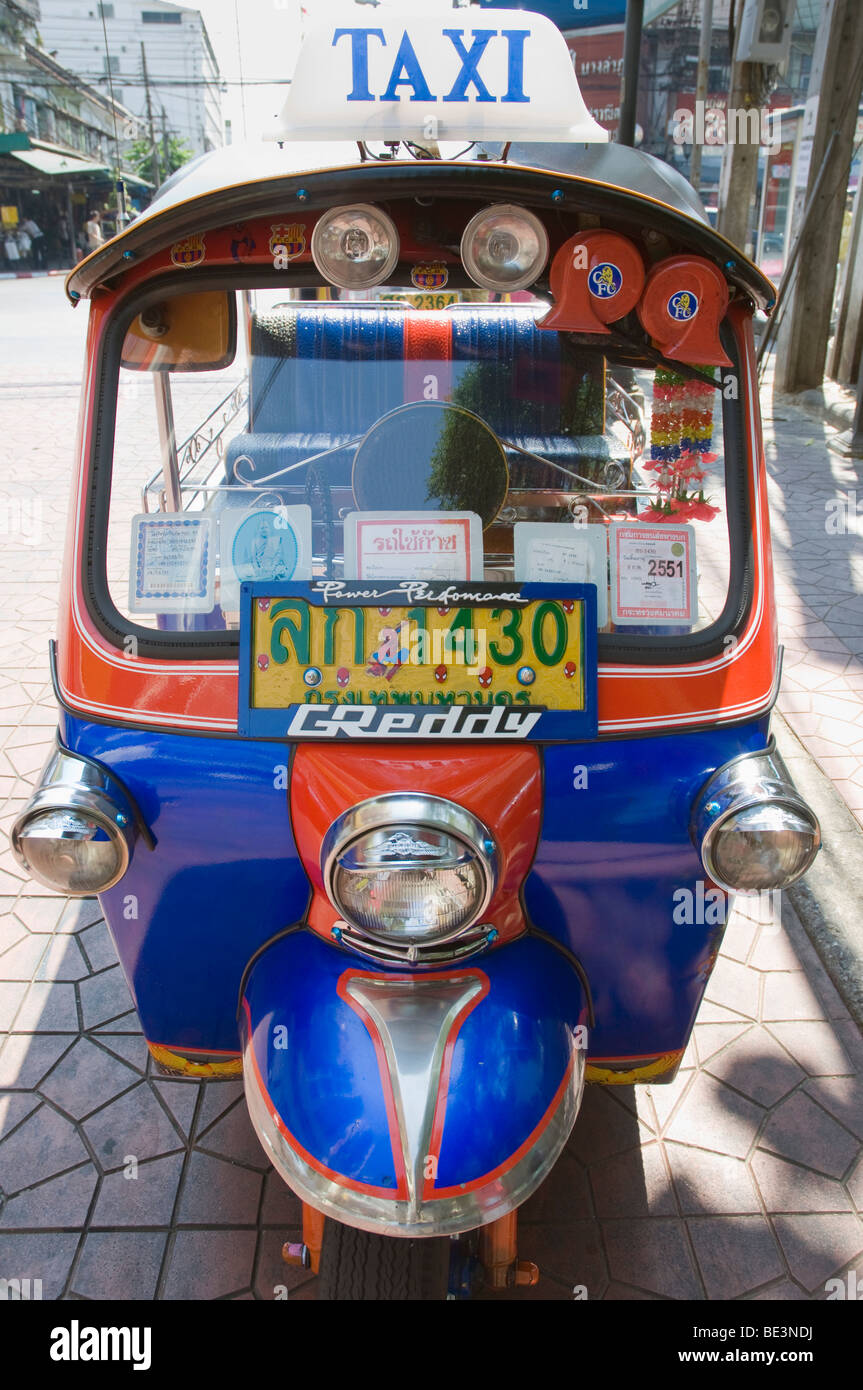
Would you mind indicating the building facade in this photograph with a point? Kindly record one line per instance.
(158, 59)
(61, 149)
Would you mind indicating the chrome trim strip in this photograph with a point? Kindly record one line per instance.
(438, 1216)
(474, 940)
(414, 1019)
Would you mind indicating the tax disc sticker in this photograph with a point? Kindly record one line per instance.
(653, 577)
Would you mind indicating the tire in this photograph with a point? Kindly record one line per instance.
(358, 1266)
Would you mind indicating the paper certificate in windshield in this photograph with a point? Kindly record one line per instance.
(653, 574)
(557, 552)
(171, 564)
(413, 545)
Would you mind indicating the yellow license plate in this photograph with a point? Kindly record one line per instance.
(423, 301)
(470, 660)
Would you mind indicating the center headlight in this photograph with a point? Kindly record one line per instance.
(409, 869)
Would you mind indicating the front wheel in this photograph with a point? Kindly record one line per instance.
(356, 1265)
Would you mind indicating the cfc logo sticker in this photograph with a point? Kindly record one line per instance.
(430, 277)
(604, 280)
(188, 252)
(683, 306)
(288, 240)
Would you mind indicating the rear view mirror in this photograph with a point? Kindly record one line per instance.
(186, 333)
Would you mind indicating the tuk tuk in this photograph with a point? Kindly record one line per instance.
(417, 640)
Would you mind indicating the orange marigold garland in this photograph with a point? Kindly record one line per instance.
(681, 439)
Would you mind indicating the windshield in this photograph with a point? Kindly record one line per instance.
(381, 439)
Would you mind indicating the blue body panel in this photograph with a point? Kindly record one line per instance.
(225, 876)
(223, 879)
(510, 1056)
(612, 855)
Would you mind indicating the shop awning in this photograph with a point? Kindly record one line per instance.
(51, 162)
(134, 181)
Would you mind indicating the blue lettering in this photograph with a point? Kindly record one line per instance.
(407, 63)
(469, 59)
(360, 59)
(515, 72)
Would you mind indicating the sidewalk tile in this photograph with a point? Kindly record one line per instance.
(86, 1078)
(219, 1193)
(120, 1265)
(104, 997)
(135, 1125)
(25, 1058)
(786, 1187)
(62, 1201)
(800, 1130)
(736, 1254)
(756, 1065)
(145, 1199)
(634, 1183)
(815, 1046)
(652, 1255)
(710, 1183)
(44, 1145)
(38, 1255)
(712, 1116)
(817, 1246)
(842, 1096)
(210, 1264)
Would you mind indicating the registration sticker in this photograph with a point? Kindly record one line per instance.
(653, 575)
(172, 564)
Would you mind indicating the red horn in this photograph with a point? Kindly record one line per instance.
(596, 278)
(683, 304)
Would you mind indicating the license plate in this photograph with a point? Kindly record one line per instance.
(429, 300)
(389, 659)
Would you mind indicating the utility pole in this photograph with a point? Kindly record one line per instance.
(631, 58)
(740, 158)
(166, 144)
(831, 110)
(157, 173)
(701, 84)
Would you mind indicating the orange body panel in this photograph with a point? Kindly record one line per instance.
(505, 793)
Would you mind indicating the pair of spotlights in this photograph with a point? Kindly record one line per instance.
(504, 247)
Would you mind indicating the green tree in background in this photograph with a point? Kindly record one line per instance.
(140, 158)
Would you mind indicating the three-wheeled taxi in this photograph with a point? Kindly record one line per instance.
(417, 640)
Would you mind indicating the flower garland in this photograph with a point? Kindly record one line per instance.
(681, 438)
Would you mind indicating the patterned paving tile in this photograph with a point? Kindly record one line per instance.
(120, 1265)
(653, 1255)
(735, 1254)
(711, 1183)
(818, 1246)
(800, 1130)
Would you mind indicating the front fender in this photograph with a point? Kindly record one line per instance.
(413, 1104)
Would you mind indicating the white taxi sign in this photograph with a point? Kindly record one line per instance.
(495, 75)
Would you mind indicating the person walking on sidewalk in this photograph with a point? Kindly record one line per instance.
(93, 232)
(37, 242)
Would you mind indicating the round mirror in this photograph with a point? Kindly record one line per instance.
(431, 456)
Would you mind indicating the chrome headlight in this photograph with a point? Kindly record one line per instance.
(355, 247)
(409, 869)
(75, 835)
(504, 247)
(753, 828)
